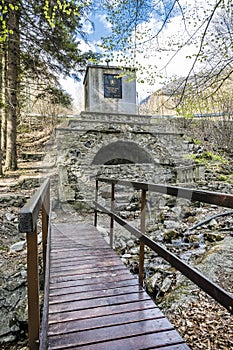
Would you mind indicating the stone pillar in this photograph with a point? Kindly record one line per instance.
(110, 89)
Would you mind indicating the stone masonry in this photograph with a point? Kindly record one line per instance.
(136, 147)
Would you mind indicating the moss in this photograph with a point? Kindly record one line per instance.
(207, 158)
(222, 178)
(197, 142)
(81, 206)
(3, 248)
(170, 235)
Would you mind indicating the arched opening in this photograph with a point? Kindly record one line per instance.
(118, 161)
(122, 152)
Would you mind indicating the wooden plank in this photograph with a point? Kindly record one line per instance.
(143, 342)
(104, 321)
(125, 337)
(64, 258)
(94, 275)
(86, 304)
(109, 279)
(94, 294)
(86, 287)
(86, 256)
(98, 263)
(88, 271)
(99, 311)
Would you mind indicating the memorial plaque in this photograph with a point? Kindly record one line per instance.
(112, 86)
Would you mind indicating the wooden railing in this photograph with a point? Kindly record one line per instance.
(220, 199)
(28, 217)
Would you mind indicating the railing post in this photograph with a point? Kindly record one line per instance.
(96, 200)
(33, 290)
(45, 209)
(112, 210)
(143, 230)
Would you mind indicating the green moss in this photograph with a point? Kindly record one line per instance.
(207, 158)
(222, 178)
(2, 247)
(197, 142)
(170, 235)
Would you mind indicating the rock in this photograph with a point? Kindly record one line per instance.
(6, 323)
(125, 261)
(126, 236)
(134, 251)
(177, 211)
(126, 214)
(24, 274)
(130, 243)
(39, 238)
(152, 283)
(134, 267)
(170, 235)
(126, 256)
(14, 284)
(213, 236)
(212, 223)
(104, 232)
(53, 215)
(169, 224)
(21, 310)
(120, 245)
(166, 285)
(8, 338)
(17, 247)
(10, 216)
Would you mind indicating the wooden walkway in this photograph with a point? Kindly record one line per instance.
(95, 302)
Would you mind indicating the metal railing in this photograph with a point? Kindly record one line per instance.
(220, 199)
(28, 218)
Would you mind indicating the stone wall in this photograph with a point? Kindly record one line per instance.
(123, 146)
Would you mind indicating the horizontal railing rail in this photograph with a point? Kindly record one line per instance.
(217, 198)
(28, 218)
(216, 292)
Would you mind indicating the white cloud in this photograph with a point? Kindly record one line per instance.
(87, 27)
(103, 20)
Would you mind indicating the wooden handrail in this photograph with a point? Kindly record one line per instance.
(222, 199)
(217, 198)
(28, 217)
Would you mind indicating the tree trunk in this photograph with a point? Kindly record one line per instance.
(0, 152)
(4, 97)
(12, 77)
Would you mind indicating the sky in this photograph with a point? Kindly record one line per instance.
(167, 63)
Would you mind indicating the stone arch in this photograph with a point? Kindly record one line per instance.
(122, 152)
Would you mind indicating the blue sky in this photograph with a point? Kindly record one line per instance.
(101, 28)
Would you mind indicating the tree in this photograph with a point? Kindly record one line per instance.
(52, 102)
(139, 33)
(38, 41)
(12, 69)
(3, 98)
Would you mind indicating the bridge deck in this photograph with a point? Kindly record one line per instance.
(95, 302)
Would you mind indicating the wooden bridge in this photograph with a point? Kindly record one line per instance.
(91, 301)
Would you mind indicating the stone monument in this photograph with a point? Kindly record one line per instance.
(109, 89)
